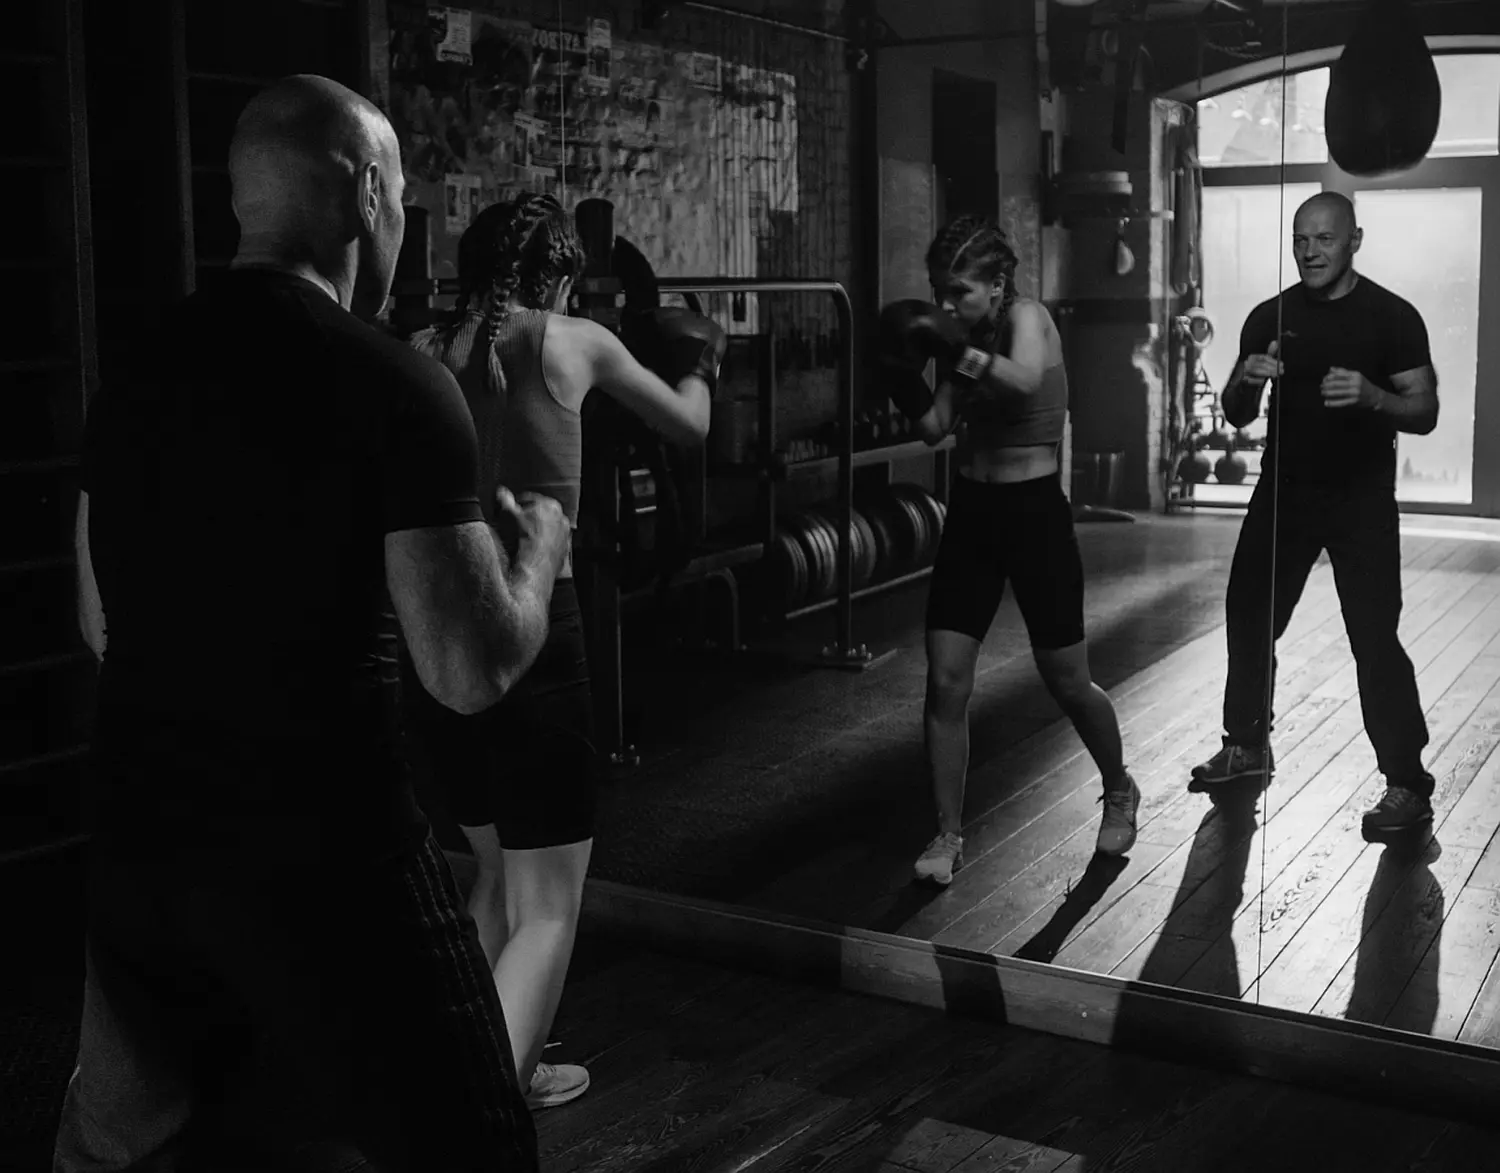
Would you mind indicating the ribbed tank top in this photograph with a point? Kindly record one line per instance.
(1019, 421)
(528, 438)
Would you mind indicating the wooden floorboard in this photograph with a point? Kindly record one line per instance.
(868, 885)
(1274, 897)
(1164, 767)
(696, 1068)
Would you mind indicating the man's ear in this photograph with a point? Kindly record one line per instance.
(368, 193)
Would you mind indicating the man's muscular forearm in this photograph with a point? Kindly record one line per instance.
(529, 578)
(1416, 414)
(1241, 398)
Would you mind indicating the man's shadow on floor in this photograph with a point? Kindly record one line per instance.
(1395, 977)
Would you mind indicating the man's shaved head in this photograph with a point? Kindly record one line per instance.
(1325, 237)
(315, 171)
(1338, 207)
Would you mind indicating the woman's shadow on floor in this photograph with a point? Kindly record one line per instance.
(1097, 878)
(1203, 908)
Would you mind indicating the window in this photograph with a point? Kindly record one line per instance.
(1426, 244)
(1249, 127)
(1281, 119)
(1240, 270)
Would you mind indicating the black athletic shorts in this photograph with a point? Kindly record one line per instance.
(1022, 532)
(528, 765)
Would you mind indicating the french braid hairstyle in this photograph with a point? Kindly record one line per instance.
(512, 254)
(975, 247)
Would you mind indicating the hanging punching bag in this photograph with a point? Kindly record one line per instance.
(1383, 94)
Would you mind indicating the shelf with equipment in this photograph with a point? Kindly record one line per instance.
(48, 369)
(1219, 466)
(838, 540)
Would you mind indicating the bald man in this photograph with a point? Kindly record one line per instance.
(279, 974)
(1352, 369)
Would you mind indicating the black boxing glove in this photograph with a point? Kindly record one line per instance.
(687, 344)
(912, 332)
(906, 386)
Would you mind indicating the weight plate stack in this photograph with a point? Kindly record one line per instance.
(825, 570)
(786, 579)
(920, 527)
(932, 516)
(829, 535)
(895, 536)
(877, 515)
(796, 524)
(864, 564)
(863, 552)
(919, 535)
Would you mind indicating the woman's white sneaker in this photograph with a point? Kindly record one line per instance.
(940, 859)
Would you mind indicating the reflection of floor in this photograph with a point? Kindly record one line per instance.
(1206, 900)
(754, 767)
(696, 1067)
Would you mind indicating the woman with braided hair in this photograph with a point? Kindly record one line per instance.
(520, 778)
(1002, 386)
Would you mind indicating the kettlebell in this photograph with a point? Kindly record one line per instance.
(1195, 467)
(1230, 468)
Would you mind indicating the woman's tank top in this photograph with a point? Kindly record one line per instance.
(529, 439)
(1014, 420)
(1020, 421)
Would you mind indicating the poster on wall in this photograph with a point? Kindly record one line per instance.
(452, 30)
(698, 153)
(462, 196)
(758, 135)
(701, 70)
(530, 138)
(597, 78)
(559, 73)
(455, 115)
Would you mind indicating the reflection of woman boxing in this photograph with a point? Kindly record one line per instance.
(519, 779)
(1002, 384)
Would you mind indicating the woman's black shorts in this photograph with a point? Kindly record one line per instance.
(1022, 532)
(527, 765)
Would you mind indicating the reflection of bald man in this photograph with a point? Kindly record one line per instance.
(1353, 369)
(276, 955)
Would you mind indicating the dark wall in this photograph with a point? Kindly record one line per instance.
(166, 83)
(963, 143)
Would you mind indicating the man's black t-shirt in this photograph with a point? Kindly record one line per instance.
(241, 479)
(1370, 330)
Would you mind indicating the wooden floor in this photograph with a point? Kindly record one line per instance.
(699, 1068)
(1274, 898)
